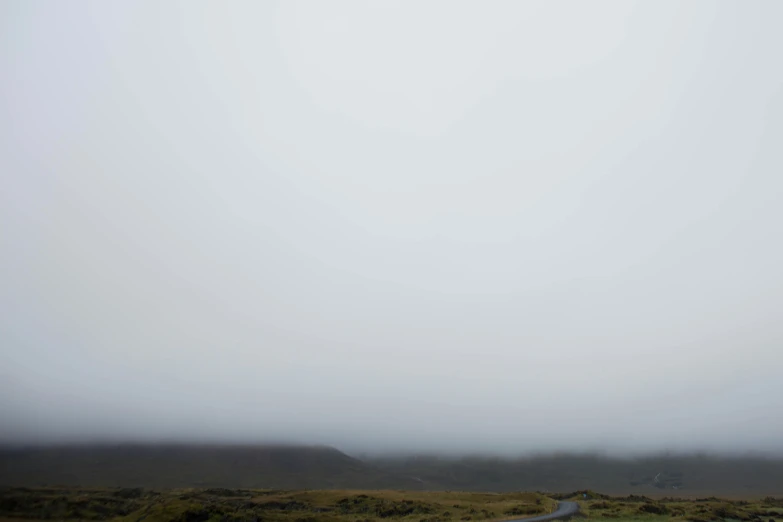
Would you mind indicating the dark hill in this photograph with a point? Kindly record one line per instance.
(292, 467)
(685, 476)
(167, 466)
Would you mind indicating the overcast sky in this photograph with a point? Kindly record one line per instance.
(437, 225)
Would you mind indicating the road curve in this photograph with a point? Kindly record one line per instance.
(564, 510)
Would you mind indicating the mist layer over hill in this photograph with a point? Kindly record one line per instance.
(442, 226)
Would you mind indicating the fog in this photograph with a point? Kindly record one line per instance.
(393, 226)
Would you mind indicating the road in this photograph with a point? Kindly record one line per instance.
(564, 510)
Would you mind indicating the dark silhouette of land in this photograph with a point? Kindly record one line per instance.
(294, 467)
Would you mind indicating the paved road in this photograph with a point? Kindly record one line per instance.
(564, 510)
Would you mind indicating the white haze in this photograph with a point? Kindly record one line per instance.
(466, 226)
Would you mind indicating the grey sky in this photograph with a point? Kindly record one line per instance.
(498, 226)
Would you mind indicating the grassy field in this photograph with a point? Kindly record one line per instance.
(709, 509)
(226, 505)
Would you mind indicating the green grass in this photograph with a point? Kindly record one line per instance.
(224, 505)
(251, 505)
(681, 510)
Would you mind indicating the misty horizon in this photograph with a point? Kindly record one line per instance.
(442, 227)
(92, 445)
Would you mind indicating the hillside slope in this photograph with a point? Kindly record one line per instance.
(652, 476)
(291, 467)
(171, 466)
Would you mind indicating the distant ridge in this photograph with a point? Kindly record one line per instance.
(657, 476)
(320, 467)
(179, 465)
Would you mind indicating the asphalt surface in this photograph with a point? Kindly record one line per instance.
(564, 510)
